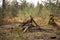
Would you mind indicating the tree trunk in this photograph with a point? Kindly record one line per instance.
(3, 8)
(3, 12)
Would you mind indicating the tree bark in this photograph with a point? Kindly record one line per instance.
(3, 12)
(3, 8)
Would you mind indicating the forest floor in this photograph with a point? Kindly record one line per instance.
(9, 32)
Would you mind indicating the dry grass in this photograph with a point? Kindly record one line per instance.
(30, 35)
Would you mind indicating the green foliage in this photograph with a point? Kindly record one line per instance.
(25, 9)
(54, 8)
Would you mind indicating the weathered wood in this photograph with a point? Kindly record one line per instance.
(32, 26)
(26, 29)
(32, 20)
